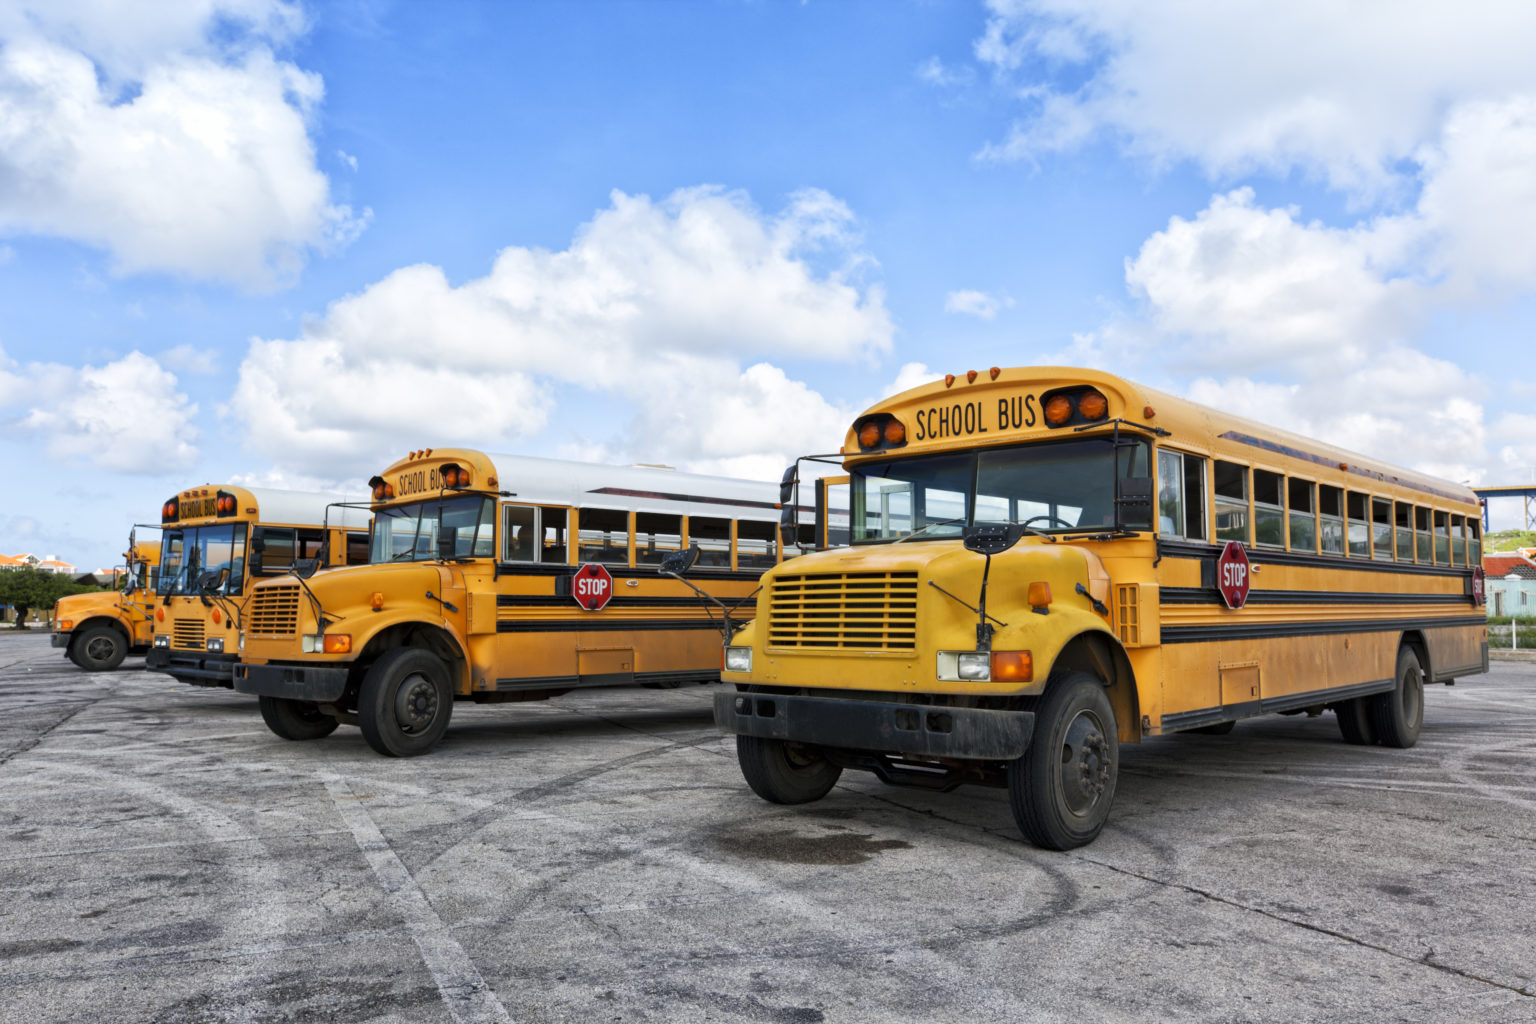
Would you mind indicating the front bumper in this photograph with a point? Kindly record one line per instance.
(194, 668)
(61, 639)
(321, 683)
(915, 729)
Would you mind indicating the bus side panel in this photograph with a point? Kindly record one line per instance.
(1454, 651)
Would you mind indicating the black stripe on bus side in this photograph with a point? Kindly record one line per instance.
(1272, 705)
(1267, 556)
(1333, 463)
(1210, 595)
(619, 600)
(624, 572)
(602, 625)
(1275, 630)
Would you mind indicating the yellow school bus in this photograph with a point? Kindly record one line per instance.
(97, 631)
(218, 540)
(1049, 562)
(504, 578)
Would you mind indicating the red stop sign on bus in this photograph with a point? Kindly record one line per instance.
(1232, 572)
(592, 586)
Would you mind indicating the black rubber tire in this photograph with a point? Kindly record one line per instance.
(405, 703)
(296, 719)
(1355, 723)
(785, 773)
(1398, 714)
(98, 649)
(1061, 790)
(1218, 729)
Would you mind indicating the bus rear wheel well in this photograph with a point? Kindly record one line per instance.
(1099, 655)
(1415, 642)
(412, 634)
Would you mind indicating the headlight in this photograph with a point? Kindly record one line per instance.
(161, 640)
(216, 645)
(310, 643)
(738, 659)
(975, 665)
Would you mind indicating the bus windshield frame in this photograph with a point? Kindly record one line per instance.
(1060, 486)
(187, 552)
(408, 532)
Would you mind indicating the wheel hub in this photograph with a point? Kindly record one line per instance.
(1086, 768)
(99, 649)
(416, 703)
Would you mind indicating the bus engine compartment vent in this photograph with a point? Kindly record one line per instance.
(1128, 614)
(274, 611)
(854, 611)
(187, 634)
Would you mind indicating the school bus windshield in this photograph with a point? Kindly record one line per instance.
(1054, 486)
(192, 551)
(408, 533)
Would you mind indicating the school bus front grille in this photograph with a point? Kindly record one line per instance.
(187, 634)
(274, 612)
(864, 611)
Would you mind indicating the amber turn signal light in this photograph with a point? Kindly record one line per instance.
(338, 643)
(1093, 405)
(895, 432)
(1039, 595)
(869, 435)
(1058, 410)
(376, 602)
(1013, 667)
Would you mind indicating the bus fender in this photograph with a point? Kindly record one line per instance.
(1098, 651)
(404, 631)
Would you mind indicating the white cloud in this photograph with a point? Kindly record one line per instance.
(654, 303)
(190, 358)
(935, 72)
(975, 303)
(177, 142)
(125, 416)
(1336, 90)
(911, 375)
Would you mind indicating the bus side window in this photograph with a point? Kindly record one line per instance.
(1442, 539)
(519, 533)
(1180, 495)
(1474, 541)
(1381, 529)
(1231, 501)
(713, 536)
(756, 542)
(657, 535)
(1303, 514)
(1268, 509)
(1423, 539)
(279, 549)
(1458, 541)
(1330, 519)
(310, 542)
(1403, 519)
(1359, 526)
(553, 522)
(603, 536)
(356, 544)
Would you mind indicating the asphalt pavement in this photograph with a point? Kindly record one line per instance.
(164, 858)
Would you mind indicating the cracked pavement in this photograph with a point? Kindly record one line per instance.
(164, 858)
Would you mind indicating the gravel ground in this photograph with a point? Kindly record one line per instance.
(163, 857)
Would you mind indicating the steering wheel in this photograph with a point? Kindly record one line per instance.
(1050, 521)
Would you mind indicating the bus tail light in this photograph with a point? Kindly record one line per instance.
(1013, 667)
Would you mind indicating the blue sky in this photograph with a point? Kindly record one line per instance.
(284, 243)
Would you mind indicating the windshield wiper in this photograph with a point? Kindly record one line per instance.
(930, 526)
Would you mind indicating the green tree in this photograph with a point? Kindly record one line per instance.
(37, 589)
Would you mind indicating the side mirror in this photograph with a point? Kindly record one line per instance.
(304, 568)
(208, 582)
(991, 538)
(679, 562)
(1134, 491)
(447, 543)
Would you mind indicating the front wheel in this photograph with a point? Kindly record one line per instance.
(1398, 714)
(405, 702)
(296, 719)
(785, 773)
(98, 649)
(1061, 790)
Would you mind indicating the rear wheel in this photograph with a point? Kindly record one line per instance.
(1398, 714)
(1355, 721)
(785, 773)
(98, 649)
(405, 703)
(1061, 790)
(296, 719)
